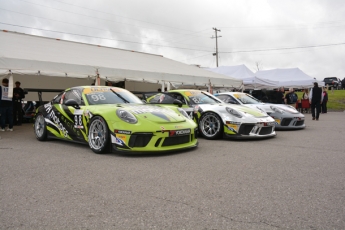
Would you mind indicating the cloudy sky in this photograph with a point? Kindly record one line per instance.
(264, 34)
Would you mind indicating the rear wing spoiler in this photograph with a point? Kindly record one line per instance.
(40, 91)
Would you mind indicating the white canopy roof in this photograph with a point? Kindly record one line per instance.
(242, 72)
(28, 54)
(237, 71)
(288, 78)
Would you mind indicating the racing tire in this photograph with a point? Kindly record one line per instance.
(40, 128)
(211, 126)
(98, 136)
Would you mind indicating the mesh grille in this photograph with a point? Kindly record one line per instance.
(299, 123)
(286, 121)
(265, 130)
(169, 141)
(245, 129)
(139, 140)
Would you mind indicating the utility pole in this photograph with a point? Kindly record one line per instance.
(216, 37)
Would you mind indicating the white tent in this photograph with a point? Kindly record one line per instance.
(39, 56)
(288, 78)
(242, 72)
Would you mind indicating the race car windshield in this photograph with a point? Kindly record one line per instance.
(245, 98)
(199, 97)
(111, 96)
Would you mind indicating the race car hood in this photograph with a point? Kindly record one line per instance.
(154, 113)
(267, 107)
(222, 108)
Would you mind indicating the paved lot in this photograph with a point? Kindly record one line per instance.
(293, 181)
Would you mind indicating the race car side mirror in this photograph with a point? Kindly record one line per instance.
(177, 102)
(73, 103)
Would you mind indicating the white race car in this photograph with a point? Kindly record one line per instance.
(217, 119)
(285, 116)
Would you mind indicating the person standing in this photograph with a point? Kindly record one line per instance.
(280, 96)
(315, 99)
(305, 95)
(18, 95)
(291, 98)
(6, 107)
(324, 101)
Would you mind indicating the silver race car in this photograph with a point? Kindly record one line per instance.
(285, 116)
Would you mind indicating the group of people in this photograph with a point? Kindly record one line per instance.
(317, 97)
(10, 107)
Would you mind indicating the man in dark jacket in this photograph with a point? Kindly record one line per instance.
(315, 99)
(6, 106)
(280, 96)
(18, 95)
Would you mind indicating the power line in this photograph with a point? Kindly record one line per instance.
(118, 15)
(283, 27)
(82, 35)
(102, 18)
(286, 48)
(92, 27)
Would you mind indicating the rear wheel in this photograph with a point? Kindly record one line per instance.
(98, 135)
(40, 128)
(211, 126)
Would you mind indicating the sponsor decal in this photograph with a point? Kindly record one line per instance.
(122, 137)
(178, 126)
(163, 129)
(232, 129)
(150, 109)
(51, 114)
(122, 132)
(118, 141)
(181, 132)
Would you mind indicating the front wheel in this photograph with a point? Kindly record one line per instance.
(98, 135)
(40, 128)
(211, 126)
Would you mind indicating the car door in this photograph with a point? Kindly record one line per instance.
(73, 117)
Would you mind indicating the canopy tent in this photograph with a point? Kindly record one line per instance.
(34, 55)
(242, 72)
(288, 78)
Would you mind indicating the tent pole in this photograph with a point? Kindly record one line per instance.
(163, 85)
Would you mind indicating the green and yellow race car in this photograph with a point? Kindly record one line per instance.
(110, 118)
(217, 119)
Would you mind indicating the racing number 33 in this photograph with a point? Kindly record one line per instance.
(78, 119)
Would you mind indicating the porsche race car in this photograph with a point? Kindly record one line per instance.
(217, 119)
(110, 118)
(285, 116)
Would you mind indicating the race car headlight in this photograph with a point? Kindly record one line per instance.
(260, 109)
(126, 116)
(275, 109)
(234, 112)
(291, 107)
(184, 113)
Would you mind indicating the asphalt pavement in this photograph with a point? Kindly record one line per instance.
(295, 180)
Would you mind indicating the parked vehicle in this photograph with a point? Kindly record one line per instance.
(217, 119)
(111, 118)
(285, 116)
(332, 82)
